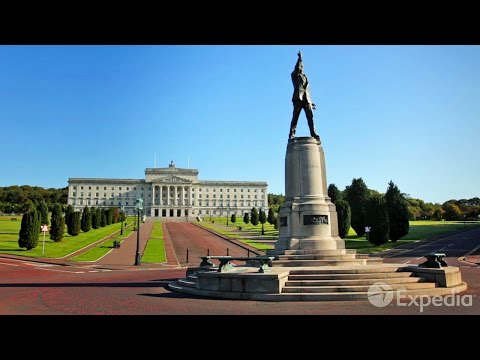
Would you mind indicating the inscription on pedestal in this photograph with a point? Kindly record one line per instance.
(315, 219)
(283, 221)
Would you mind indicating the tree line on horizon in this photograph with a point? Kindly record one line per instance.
(386, 214)
(19, 199)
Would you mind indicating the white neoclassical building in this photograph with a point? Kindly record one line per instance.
(170, 193)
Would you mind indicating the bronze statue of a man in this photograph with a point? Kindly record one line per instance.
(301, 99)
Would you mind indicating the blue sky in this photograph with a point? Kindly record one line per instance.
(404, 113)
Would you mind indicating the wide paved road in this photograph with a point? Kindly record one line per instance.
(198, 241)
(454, 246)
(28, 288)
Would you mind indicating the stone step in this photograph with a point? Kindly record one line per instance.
(354, 288)
(303, 296)
(331, 262)
(192, 277)
(350, 270)
(344, 282)
(187, 282)
(311, 252)
(317, 257)
(369, 275)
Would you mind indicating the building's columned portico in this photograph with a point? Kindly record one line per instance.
(166, 197)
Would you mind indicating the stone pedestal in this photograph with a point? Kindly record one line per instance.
(308, 219)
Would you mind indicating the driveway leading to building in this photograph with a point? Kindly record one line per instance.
(198, 241)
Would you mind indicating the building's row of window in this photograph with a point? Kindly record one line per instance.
(101, 202)
(205, 203)
(105, 194)
(164, 195)
(228, 190)
(234, 196)
(240, 203)
(105, 188)
(220, 212)
(74, 188)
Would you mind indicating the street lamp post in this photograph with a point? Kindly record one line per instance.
(367, 231)
(227, 216)
(138, 207)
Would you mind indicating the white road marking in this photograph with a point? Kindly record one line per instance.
(44, 265)
(70, 272)
(8, 264)
(421, 257)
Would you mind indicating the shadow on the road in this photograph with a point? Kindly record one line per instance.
(428, 249)
(175, 295)
(156, 283)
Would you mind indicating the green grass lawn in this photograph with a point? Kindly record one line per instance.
(418, 230)
(9, 240)
(155, 249)
(100, 250)
(257, 245)
(248, 231)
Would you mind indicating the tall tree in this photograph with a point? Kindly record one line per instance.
(357, 195)
(86, 222)
(344, 215)
(398, 215)
(108, 217)
(377, 220)
(437, 213)
(275, 201)
(452, 211)
(333, 193)
(43, 210)
(254, 216)
(93, 212)
(103, 218)
(116, 215)
(271, 216)
(98, 219)
(263, 219)
(246, 218)
(68, 211)
(30, 229)
(122, 216)
(58, 223)
(275, 222)
(75, 224)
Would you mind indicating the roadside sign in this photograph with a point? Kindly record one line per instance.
(44, 229)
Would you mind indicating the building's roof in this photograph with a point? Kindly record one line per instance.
(171, 170)
(105, 181)
(233, 183)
